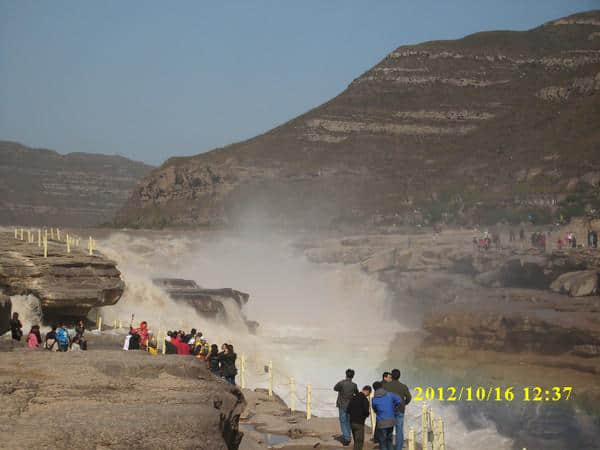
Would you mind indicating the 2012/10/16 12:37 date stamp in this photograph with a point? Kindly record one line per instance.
(492, 393)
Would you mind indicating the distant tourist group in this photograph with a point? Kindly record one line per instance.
(389, 402)
(219, 363)
(57, 339)
(570, 240)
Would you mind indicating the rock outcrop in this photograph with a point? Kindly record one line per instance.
(209, 303)
(115, 399)
(67, 284)
(577, 284)
(5, 312)
(43, 187)
(439, 130)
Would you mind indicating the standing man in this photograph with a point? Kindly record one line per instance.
(16, 327)
(358, 410)
(385, 405)
(346, 389)
(401, 390)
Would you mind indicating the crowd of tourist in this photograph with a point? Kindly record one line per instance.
(389, 402)
(57, 339)
(177, 342)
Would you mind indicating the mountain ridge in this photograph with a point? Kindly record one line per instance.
(41, 186)
(428, 134)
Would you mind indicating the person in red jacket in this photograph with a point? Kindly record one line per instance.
(182, 347)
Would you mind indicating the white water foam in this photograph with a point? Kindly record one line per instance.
(315, 320)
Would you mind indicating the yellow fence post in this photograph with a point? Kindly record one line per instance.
(46, 233)
(164, 346)
(39, 237)
(412, 439)
(292, 394)
(21, 233)
(16, 234)
(308, 401)
(68, 244)
(45, 246)
(58, 234)
(424, 433)
(440, 438)
(100, 324)
(90, 246)
(29, 236)
(431, 427)
(270, 371)
(120, 324)
(52, 233)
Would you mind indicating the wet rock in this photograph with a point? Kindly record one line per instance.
(577, 284)
(208, 302)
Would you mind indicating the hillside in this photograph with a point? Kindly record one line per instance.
(43, 187)
(495, 125)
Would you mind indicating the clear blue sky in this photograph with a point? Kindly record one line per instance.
(154, 79)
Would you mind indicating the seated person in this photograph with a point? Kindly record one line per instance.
(34, 340)
(50, 341)
(171, 349)
(75, 344)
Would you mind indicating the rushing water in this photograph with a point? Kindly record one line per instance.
(316, 320)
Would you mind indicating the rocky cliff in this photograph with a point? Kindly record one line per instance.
(43, 187)
(67, 284)
(493, 125)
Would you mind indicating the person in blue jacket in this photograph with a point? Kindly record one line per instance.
(385, 404)
(62, 336)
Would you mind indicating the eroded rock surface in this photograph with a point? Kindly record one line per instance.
(67, 284)
(114, 399)
(577, 284)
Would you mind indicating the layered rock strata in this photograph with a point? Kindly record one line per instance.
(43, 187)
(442, 129)
(208, 302)
(67, 284)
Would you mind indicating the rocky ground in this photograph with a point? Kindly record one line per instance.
(268, 420)
(106, 398)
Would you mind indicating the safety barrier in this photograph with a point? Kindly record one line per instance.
(431, 427)
(71, 241)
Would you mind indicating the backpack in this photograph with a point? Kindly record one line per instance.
(62, 336)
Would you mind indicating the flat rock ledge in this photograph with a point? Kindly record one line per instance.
(67, 284)
(110, 399)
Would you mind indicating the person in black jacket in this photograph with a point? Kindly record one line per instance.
(346, 389)
(227, 362)
(16, 327)
(212, 360)
(358, 410)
